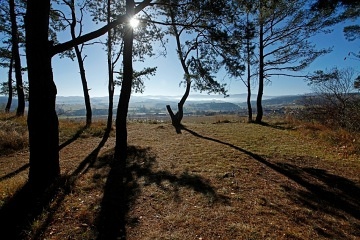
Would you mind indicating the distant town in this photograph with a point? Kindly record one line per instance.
(154, 107)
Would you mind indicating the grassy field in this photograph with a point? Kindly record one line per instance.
(221, 178)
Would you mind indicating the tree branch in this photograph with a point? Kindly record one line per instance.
(97, 33)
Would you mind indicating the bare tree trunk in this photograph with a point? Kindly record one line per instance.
(85, 87)
(42, 120)
(81, 67)
(9, 101)
(110, 74)
(16, 55)
(248, 100)
(177, 118)
(122, 110)
(260, 113)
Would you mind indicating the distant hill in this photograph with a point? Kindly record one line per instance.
(280, 101)
(155, 99)
(74, 105)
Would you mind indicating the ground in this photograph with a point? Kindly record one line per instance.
(218, 179)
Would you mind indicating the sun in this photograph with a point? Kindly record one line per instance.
(134, 22)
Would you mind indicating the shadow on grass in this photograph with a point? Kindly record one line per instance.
(336, 193)
(17, 171)
(123, 187)
(19, 214)
(73, 138)
(277, 125)
(66, 143)
(326, 193)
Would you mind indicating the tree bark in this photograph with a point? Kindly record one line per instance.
(16, 55)
(260, 113)
(9, 101)
(42, 119)
(122, 110)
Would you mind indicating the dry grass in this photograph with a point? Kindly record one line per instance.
(221, 178)
(13, 133)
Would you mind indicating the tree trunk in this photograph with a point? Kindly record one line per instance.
(85, 87)
(248, 101)
(248, 60)
(16, 55)
(9, 101)
(122, 110)
(176, 118)
(110, 74)
(42, 120)
(260, 113)
(81, 68)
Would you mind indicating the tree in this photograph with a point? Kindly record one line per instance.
(72, 22)
(104, 11)
(10, 87)
(249, 52)
(42, 117)
(9, 26)
(284, 47)
(196, 23)
(122, 110)
(344, 10)
(143, 38)
(243, 48)
(335, 101)
(17, 62)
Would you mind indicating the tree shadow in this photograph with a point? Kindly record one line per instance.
(73, 138)
(19, 212)
(338, 193)
(278, 126)
(327, 193)
(26, 205)
(17, 171)
(122, 188)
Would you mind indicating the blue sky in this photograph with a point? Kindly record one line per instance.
(169, 72)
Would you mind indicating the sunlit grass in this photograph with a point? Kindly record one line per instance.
(220, 169)
(13, 133)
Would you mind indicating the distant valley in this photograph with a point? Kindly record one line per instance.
(147, 106)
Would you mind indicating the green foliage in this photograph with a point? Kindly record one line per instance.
(288, 25)
(138, 85)
(4, 89)
(198, 27)
(352, 32)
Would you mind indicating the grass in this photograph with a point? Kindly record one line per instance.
(13, 133)
(222, 178)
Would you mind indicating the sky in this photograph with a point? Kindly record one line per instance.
(169, 72)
